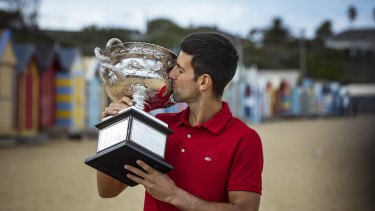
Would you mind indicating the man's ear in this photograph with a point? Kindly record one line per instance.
(205, 82)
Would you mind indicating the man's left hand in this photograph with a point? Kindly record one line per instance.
(157, 184)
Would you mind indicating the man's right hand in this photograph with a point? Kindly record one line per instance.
(115, 107)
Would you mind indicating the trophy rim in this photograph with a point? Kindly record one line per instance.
(124, 45)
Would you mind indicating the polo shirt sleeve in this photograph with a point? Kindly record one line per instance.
(247, 165)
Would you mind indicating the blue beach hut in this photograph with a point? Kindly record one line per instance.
(96, 97)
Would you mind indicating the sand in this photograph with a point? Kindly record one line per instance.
(310, 164)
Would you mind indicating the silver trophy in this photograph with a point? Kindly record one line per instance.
(140, 71)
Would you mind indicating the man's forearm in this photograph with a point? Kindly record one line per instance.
(187, 202)
(107, 186)
(192, 203)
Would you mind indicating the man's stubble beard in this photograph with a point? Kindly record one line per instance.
(176, 97)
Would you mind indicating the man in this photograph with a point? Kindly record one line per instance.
(217, 159)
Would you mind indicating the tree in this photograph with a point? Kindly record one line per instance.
(255, 35)
(164, 32)
(352, 14)
(161, 25)
(27, 10)
(10, 20)
(277, 33)
(323, 31)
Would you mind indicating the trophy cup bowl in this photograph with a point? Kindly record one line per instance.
(139, 71)
(137, 68)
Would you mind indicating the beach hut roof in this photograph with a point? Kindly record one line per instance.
(45, 55)
(24, 52)
(4, 38)
(67, 56)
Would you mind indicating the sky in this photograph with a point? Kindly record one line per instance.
(234, 16)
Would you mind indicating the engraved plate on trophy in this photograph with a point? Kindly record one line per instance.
(140, 71)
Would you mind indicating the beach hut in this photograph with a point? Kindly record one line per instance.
(8, 66)
(269, 100)
(49, 65)
(28, 90)
(296, 101)
(70, 92)
(96, 97)
(284, 98)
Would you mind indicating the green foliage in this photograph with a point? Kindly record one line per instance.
(164, 32)
(91, 37)
(322, 64)
(278, 49)
(168, 34)
(276, 34)
(272, 57)
(10, 19)
(323, 31)
(326, 64)
(26, 13)
(352, 13)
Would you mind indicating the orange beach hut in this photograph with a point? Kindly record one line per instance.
(8, 65)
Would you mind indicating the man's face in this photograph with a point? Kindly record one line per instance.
(185, 88)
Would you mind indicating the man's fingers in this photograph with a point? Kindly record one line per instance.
(148, 174)
(109, 112)
(114, 108)
(118, 106)
(139, 175)
(136, 171)
(145, 167)
(136, 179)
(126, 100)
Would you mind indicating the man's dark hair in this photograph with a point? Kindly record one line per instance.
(213, 54)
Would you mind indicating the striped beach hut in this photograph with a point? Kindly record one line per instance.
(70, 92)
(8, 67)
(49, 65)
(28, 90)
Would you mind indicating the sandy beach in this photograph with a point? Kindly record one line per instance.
(310, 164)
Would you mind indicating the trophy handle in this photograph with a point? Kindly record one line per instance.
(100, 56)
(99, 52)
(113, 41)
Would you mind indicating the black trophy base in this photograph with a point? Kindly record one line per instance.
(111, 161)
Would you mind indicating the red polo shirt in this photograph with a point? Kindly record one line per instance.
(211, 159)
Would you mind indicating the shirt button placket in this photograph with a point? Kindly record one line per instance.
(183, 149)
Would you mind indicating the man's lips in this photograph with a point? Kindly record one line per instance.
(170, 87)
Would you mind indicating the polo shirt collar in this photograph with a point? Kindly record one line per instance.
(215, 124)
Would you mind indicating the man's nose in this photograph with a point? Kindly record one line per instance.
(171, 73)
